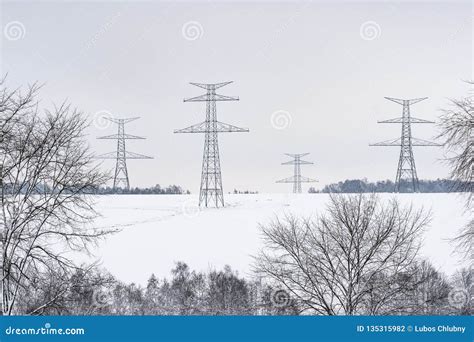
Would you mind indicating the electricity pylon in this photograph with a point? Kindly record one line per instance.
(297, 179)
(406, 164)
(211, 178)
(121, 155)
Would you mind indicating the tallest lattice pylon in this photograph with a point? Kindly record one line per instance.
(406, 169)
(211, 191)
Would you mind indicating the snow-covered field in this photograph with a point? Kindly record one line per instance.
(158, 230)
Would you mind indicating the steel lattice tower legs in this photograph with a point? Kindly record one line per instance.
(211, 176)
(406, 164)
(121, 173)
(297, 173)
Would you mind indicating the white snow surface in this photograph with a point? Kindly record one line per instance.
(159, 230)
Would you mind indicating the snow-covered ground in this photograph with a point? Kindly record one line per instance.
(158, 230)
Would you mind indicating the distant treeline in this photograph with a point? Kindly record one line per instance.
(245, 192)
(362, 185)
(186, 292)
(215, 292)
(155, 190)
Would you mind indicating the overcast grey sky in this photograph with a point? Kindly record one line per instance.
(325, 65)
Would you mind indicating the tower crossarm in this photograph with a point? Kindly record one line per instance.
(123, 136)
(294, 179)
(124, 120)
(211, 95)
(214, 97)
(398, 142)
(291, 179)
(128, 155)
(421, 142)
(296, 155)
(402, 101)
(392, 142)
(203, 128)
(223, 127)
(197, 128)
(402, 120)
(132, 155)
(211, 85)
(300, 162)
(110, 155)
(307, 180)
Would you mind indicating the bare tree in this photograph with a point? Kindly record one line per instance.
(332, 264)
(462, 294)
(47, 176)
(457, 125)
(227, 294)
(420, 290)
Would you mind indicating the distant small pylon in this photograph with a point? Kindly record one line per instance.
(406, 164)
(297, 179)
(121, 179)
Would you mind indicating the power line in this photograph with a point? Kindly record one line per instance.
(121, 155)
(211, 191)
(406, 164)
(297, 179)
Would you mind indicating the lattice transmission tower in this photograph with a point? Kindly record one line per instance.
(121, 179)
(211, 191)
(297, 179)
(406, 164)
